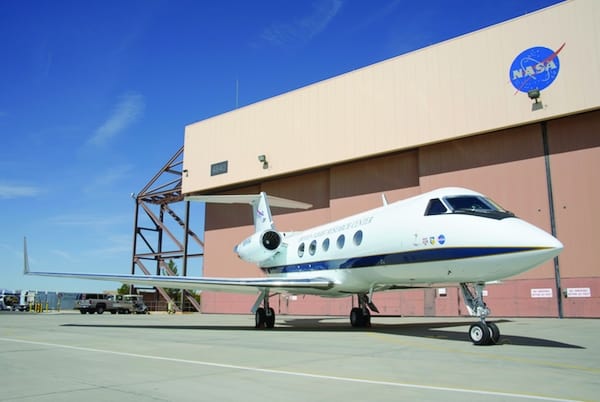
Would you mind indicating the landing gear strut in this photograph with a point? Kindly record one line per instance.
(360, 317)
(482, 332)
(264, 316)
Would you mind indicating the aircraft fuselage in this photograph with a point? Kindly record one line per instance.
(399, 245)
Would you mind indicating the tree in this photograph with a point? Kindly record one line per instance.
(123, 290)
(177, 294)
(174, 294)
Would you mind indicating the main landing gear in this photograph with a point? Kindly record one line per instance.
(360, 317)
(264, 316)
(482, 332)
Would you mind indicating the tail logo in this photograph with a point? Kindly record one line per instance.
(261, 215)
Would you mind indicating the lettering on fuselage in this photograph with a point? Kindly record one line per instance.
(338, 228)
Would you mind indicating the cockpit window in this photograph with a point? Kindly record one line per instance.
(468, 202)
(435, 207)
(477, 205)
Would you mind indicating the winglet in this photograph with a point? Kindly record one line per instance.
(25, 257)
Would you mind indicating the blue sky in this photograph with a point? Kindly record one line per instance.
(95, 95)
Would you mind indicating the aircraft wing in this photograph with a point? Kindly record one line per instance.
(234, 285)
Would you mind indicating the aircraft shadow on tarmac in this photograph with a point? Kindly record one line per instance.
(437, 330)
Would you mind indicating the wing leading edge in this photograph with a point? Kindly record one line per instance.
(235, 285)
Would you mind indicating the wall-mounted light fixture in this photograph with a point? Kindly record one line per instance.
(534, 95)
(185, 172)
(263, 159)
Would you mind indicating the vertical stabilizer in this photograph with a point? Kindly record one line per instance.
(263, 219)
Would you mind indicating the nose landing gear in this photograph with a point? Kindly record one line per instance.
(482, 332)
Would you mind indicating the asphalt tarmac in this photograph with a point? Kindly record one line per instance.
(158, 357)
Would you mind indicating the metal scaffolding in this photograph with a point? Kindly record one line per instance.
(158, 208)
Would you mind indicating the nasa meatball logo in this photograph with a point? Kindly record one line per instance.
(535, 68)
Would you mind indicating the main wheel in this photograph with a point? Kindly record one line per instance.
(479, 334)
(260, 318)
(366, 319)
(357, 318)
(99, 309)
(494, 333)
(270, 318)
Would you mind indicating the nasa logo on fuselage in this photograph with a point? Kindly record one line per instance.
(535, 68)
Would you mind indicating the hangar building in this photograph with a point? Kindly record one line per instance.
(511, 111)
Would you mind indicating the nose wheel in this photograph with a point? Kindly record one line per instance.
(482, 332)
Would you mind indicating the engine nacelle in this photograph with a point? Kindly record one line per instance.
(260, 246)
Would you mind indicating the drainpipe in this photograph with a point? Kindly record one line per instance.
(552, 216)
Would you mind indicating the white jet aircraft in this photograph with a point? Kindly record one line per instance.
(438, 239)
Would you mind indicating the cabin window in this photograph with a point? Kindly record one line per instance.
(313, 247)
(435, 207)
(325, 244)
(358, 236)
(301, 250)
(341, 240)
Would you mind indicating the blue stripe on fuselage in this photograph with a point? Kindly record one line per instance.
(409, 257)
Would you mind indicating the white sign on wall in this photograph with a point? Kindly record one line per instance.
(579, 292)
(541, 293)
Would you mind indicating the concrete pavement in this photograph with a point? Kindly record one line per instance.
(73, 357)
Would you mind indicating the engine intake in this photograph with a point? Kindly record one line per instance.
(260, 246)
(271, 240)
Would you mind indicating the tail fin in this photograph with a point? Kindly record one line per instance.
(261, 205)
(262, 213)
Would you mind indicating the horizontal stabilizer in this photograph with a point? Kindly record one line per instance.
(248, 199)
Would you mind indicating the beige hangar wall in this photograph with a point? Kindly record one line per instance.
(453, 89)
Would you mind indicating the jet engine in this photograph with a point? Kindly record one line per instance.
(260, 246)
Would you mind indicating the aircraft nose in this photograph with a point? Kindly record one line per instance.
(553, 242)
(537, 238)
(551, 245)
